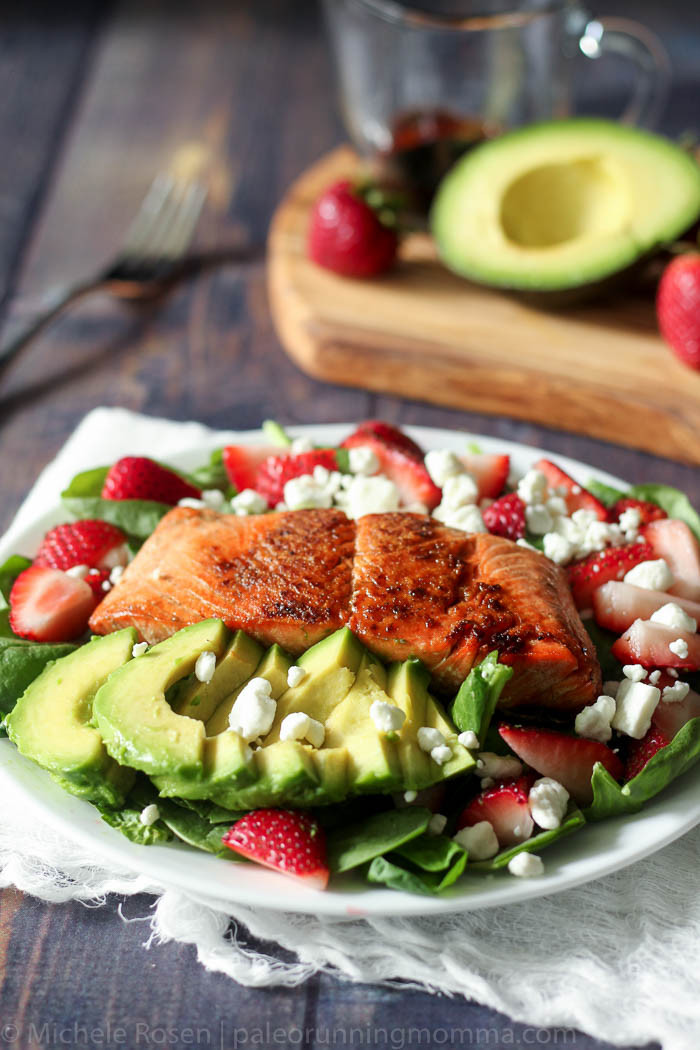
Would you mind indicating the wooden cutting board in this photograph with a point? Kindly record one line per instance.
(421, 332)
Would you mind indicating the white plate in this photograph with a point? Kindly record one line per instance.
(592, 852)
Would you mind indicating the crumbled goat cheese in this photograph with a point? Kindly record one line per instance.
(106, 586)
(467, 518)
(673, 616)
(248, 502)
(672, 671)
(533, 487)
(437, 824)
(548, 800)
(213, 498)
(429, 738)
(205, 667)
(295, 676)
(410, 796)
(630, 519)
(635, 672)
(593, 722)
(539, 520)
(139, 649)
(672, 694)
(305, 493)
(300, 445)
(375, 495)
(557, 548)
(362, 460)
(300, 726)
(149, 815)
(116, 574)
(501, 767)
(253, 712)
(459, 491)
(679, 648)
(525, 865)
(441, 754)
(654, 677)
(636, 703)
(651, 575)
(442, 464)
(479, 840)
(193, 504)
(469, 740)
(387, 718)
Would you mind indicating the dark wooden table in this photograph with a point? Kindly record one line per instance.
(93, 101)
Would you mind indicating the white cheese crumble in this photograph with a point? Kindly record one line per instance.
(205, 667)
(300, 445)
(441, 754)
(295, 676)
(459, 491)
(679, 648)
(630, 519)
(306, 493)
(539, 520)
(374, 495)
(149, 815)
(437, 824)
(429, 738)
(557, 548)
(593, 722)
(106, 586)
(651, 575)
(479, 840)
(525, 865)
(500, 767)
(387, 718)
(654, 677)
(673, 616)
(214, 499)
(467, 518)
(300, 726)
(248, 502)
(78, 572)
(253, 712)
(442, 464)
(116, 574)
(532, 487)
(672, 694)
(410, 796)
(635, 672)
(138, 649)
(193, 504)
(362, 460)
(636, 703)
(469, 740)
(548, 800)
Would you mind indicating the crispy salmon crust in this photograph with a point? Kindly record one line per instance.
(405, 584)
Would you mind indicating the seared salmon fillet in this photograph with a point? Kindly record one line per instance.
(283, 577)
(404, 583)
(449, 597)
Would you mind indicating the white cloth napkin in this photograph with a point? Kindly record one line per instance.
(618, 958)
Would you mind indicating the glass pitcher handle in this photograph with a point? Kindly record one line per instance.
(621, 36)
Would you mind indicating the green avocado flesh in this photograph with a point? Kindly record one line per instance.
(152, 714)
(51, 722)
(564, 204)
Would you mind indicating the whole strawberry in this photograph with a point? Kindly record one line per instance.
(678, 307)
(347, 236)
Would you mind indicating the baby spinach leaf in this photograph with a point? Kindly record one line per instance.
(8, 574)
(87, 484)
(427, 865)
(476, 700)
(20, 663)
(350, 846)
(136, 517)
(212, 475)
(573, 820)
(611, 799)
(128, 821)
(673, 501)
(605, 493)
(196, 830)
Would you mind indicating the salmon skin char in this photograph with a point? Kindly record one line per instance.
(405, 584)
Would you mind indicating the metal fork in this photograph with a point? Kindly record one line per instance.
(150, 259)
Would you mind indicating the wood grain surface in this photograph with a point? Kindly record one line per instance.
(94, 101)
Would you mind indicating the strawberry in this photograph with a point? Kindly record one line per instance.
(407, 471)
(136, 477)
(647, 511)
(568, 759)
(640, 751)
(586, 576)
(47, 605)
(91, 542)
(276, 471)
(287, 841)
(678, 307)
(242, 463)
(506, 517)
(505, 806)
(388, 434)
(673, 541)
(347, 236)
(647, 643)
(95, 579)
(577, 498)
(617, 605)
(489, 470)
(670, 717)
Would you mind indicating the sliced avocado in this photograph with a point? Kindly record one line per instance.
(407, 687)
(274, 667)
(563, 205)
(138, 726)
(51, 721)
(285, 774)
(201, 699)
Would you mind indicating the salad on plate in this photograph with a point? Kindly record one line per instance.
(362, 658)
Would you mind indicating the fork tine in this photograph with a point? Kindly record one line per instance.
(146, 219)
(182, 226)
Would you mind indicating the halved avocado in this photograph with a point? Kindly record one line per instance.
(563, 205)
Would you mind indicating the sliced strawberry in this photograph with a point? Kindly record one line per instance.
(90, 542)
(489, 470)
(669, 717)
(388, 434)
(47, 605)
(290, 842)
(276, 471)
(640, 751)
(577, 498)
(242, 463)
(613, 563)
(648, 643)
(617, 605)
(673, 541)
(647, 511)
(505, 806)
(408, 473)
(506, 517)
(136, 477)
(568, 759)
